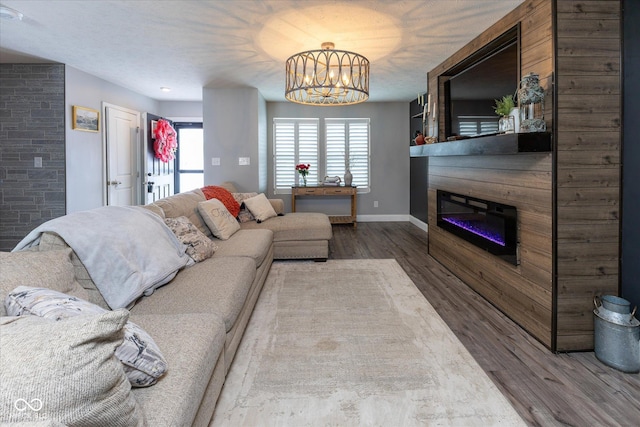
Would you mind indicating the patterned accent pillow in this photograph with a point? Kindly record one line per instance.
(221, 223)
(199, 246)
(67, 370)
(244, 215)
(260, 207)
(222, 194)
(140, 356)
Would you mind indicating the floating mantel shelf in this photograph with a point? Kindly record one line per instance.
(512, 143)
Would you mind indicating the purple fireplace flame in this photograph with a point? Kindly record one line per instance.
(479, 231)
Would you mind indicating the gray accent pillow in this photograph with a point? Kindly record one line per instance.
(67, 370)
(142, 360)
(199, 246)
(218, 219)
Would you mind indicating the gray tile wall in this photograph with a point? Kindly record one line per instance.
(32, 124)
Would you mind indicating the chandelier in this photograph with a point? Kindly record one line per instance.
(327, 77)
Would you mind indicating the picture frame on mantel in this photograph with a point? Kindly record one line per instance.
(85, 119)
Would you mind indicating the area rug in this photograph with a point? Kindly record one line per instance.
(353, 343)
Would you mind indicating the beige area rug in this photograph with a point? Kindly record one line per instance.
(353, 343)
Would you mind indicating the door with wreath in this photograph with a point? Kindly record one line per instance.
(159, 173)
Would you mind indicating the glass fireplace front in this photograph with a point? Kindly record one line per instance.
(488, 225)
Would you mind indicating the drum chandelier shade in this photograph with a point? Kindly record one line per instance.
(327, 77)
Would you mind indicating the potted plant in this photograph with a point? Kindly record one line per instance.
(503, 108)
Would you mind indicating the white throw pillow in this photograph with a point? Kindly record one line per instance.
(260, 207)
(66, 371)
(140, 356)
(221, 223)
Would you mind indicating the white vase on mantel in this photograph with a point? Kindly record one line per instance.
(348, 178)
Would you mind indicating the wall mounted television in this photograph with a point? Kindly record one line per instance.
(472, 86)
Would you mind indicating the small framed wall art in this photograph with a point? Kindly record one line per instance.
(86, 119)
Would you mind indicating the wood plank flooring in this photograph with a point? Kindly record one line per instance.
(547, 389)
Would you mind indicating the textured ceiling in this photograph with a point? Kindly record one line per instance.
(187, 45)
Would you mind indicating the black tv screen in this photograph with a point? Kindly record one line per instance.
(476, 83)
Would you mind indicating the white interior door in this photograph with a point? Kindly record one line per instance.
(122, 127)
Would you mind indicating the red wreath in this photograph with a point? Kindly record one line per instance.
(166, 143)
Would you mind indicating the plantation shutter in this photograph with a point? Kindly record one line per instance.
(295, 142)
(347, 143)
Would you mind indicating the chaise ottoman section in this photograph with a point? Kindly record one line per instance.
(298, 235)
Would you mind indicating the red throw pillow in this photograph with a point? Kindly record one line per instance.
(222, 194)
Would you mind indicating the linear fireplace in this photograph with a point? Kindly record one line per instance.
(491, 226)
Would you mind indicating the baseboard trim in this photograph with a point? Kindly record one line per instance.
(383, 218)
(418, 223)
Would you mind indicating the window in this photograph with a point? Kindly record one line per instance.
(295, 142)
(189, 157)
(347, 143)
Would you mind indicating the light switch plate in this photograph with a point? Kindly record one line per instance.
(244, 161)
(215, 161)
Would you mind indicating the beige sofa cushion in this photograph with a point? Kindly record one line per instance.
(254, 244)
(192, 343)
(52, 269)
(218, 285)
(70, 367)
(185, 204)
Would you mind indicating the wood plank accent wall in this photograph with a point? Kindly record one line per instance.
(570, 196)
(588, 163)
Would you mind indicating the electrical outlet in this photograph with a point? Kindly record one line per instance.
(375, 204)
(215, 161)
(244, 161)
(37, 162)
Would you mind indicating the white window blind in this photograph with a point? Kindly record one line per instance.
(295, 142)
(347, 143)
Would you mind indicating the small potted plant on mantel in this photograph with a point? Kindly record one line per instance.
(503, 108)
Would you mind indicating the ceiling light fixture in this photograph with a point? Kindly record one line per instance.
(10, 14)
(165, 89)
(327, 77)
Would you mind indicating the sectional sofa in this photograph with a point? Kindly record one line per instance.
(196, 319)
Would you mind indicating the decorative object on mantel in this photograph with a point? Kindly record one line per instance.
(419, 139)
(503, 108)
(165, 144)
(531, 104)
(327, 77)
(303, 170)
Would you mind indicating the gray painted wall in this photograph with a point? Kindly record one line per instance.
(32, 124)
(389, 157)
(84, 150)
(233, 124)
(631, 156)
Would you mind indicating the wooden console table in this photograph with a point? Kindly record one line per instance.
(326, 191)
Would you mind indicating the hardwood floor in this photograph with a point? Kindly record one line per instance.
(547, 389)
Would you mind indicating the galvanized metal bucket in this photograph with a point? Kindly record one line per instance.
(616, 334)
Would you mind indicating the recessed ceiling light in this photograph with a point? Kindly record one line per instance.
(165, 89)
(10, 14)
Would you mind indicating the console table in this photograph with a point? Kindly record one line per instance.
(332, 191)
